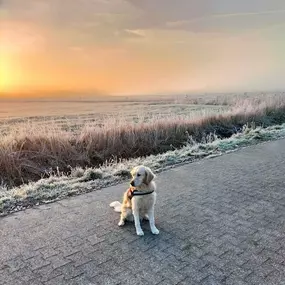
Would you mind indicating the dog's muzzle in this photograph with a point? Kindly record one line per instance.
(132, 183)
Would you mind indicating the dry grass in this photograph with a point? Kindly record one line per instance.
(30, 151)
(82, 180)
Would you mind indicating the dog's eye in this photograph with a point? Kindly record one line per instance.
(139, 174)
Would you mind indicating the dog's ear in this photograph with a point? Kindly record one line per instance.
(133, 171)
(149, 176)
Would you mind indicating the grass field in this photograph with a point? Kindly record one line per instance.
(72, 116)
(40, 138)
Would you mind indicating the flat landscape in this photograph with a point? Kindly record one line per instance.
(52, 148)
(74, 114)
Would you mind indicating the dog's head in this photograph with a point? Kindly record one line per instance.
(141, 175)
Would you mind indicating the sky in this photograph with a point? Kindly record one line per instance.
(142, 46)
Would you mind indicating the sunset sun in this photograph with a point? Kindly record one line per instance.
(9, 74)
(6, 77)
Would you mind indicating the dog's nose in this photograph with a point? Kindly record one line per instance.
(132, 183)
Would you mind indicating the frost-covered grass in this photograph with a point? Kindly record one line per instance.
(30, 151)
(85, 180)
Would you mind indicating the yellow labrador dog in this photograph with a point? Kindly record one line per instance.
(139, 200)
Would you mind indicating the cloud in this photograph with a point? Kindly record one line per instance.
(88, 16)
(208, 15)
(229, 23)
(66, 13)
(75, 22)
(135, 33)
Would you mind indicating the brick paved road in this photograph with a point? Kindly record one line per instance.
(226, 225)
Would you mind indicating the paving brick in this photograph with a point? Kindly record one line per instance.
(112, 238)
(212, 280)
(90, 269)
(194, 273)
(74, 241)
(120, 256)
(104, 279)
(29, 253)
(233, 280)
(215, 272)
(255, 279)
(111, 267)
(195, 262)
(38, 244)
(59, 280)
(158, 253)
(57, 261)
(172, 275)
(48, 252)
(275, 278)
(79, 258)
(6, 277)
(24, 274)
(197, 252)
(168, 282)
(151, 276)
(135, 265)
(187, 281)
(37, 262)
(69, 271)
(67, 250)
(15, 282)
(15, 264)
(98, 257)
(80, 280)
(267, 268)
(94, 239)
(240, 273)
(46, 272)
(130, 279)
(35, 282)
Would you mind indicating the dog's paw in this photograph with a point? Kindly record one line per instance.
(121, 223)
(140, 232)
(155, 231)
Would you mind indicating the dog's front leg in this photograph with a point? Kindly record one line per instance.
(153, 228)
(137, 223)
(122, 217)
(136, 215)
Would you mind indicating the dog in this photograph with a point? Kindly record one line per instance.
(139, 200)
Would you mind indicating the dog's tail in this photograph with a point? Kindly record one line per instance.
(117, 206)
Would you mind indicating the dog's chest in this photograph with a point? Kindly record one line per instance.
(145, 202)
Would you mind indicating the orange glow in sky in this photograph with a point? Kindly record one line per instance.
(134, 46)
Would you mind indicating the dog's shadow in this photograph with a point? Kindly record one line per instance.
(129, 228)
